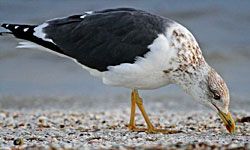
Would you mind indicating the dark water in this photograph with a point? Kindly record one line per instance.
(222, 29)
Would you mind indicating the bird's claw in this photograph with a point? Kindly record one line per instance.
(163, 131)
(152, 130)
(133, 128)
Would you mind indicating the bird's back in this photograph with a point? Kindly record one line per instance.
(99, 39)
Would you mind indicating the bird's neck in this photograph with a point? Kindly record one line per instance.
(189, 80)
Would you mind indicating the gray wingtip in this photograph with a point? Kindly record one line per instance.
(4, 33)
(4, 25)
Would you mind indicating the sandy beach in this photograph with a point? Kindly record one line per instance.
(107, 130)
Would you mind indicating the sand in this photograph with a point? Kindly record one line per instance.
(60, 129)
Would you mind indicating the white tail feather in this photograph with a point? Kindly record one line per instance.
(27, 44)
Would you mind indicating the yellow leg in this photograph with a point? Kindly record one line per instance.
(131, 125)
(139, 103)
(135, 99)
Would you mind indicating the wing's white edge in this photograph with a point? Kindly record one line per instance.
(38, 32)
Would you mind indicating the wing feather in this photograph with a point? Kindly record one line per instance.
(106, 38)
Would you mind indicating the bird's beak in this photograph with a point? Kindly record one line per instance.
(228, 121)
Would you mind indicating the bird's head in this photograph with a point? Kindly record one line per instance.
(218, 98)
(212, 90)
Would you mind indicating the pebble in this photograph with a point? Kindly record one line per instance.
(107, 130)
(18, 141)
(244, 119)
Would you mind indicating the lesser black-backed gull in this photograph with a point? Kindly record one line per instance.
(134, 49)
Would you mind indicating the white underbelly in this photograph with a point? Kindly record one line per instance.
(131, 76)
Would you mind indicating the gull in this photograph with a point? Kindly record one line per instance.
(135, 49)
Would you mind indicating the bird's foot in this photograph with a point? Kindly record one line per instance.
(152, 130)
(135, 129)
(163, 131)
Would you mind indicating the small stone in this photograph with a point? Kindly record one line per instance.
(43, 122)
(2, 115)
(15, 115)
(244, 119)
(18, 141)
(78, 122)
(54, 140)
(61, 125)
(42, 119)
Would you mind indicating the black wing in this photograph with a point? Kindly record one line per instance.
(106, 38)
(102, 38)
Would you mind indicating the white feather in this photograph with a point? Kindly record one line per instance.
(146, 72)
(89, 12)
(27, 44)
(40, 33)
(83, 16)
(25, 30)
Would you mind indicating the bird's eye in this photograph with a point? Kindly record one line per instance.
(216, 96)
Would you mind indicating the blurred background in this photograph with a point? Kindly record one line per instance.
(31, 79)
